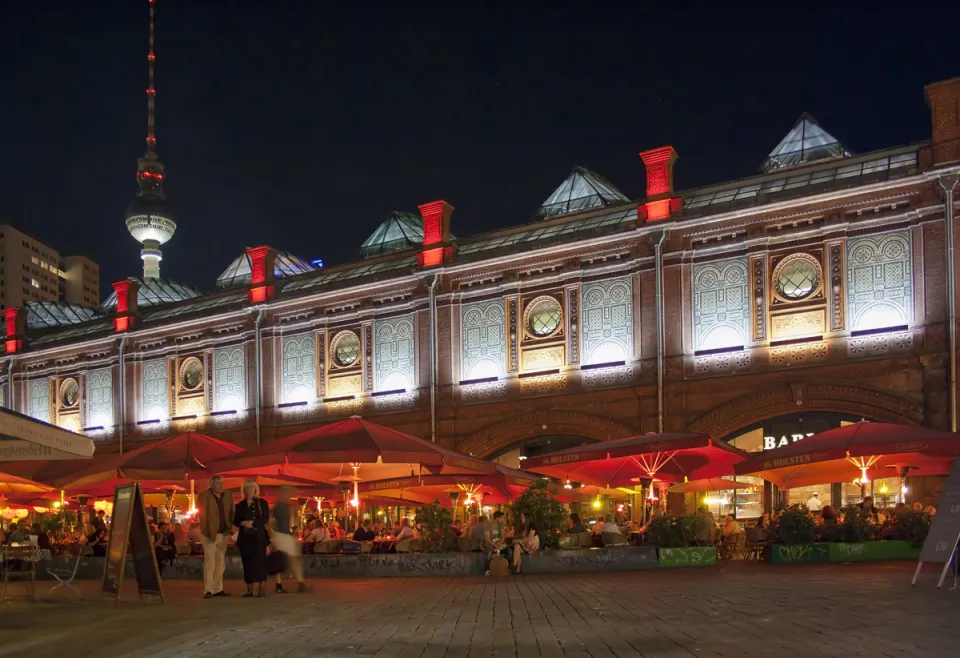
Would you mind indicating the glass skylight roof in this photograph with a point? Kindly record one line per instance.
(582, 190)
(154, 292)
(546, 232)
(894, 165)
(805, 142)
(401, 230)
(238, 272)
(205, 303)
(85, 329)
(41, 315)
(351, 273)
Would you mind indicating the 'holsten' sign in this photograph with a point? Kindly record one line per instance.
(771, 442)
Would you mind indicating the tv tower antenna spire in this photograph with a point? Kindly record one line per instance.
(148, 218)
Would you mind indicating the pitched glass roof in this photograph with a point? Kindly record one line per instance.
(238, 272)
(367, 269)
(582, 190)
(41, 315)
(540, 233)
(400, 231)
(103, 325)
(805, 142)
(154, 292)
(756, 190)
(205, 303)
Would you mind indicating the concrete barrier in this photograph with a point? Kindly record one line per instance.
(620, 558)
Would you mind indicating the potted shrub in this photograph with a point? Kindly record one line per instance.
(856, 527)
(795, 531)
(544, 510)
(674, 539)
(433, 526)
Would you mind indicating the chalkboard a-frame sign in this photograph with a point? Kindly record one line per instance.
(129, 527)
(940, 546)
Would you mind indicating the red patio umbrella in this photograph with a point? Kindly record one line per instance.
(12, 485)
(180, 458)
(668, 457)
(498, 488)
(854, 451)
(352, 447)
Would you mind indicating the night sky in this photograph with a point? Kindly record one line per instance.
(303, 124)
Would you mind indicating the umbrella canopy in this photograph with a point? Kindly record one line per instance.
(328, 452)
(179, 458)
(23, 438)
(12, 485)
(498, 488)
(668, 457)
(846, 453)
(708, 484)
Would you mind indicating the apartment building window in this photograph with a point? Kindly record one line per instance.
(34, 260)
(26, 244)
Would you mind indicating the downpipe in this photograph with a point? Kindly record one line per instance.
(433, 358)
(657, 241)
(259, 368)
(122, 380)
(948, 190)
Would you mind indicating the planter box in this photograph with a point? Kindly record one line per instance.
(874, 550)
(612, 558)
(691, 556)
(799, 553)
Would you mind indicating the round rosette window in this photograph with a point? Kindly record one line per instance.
(345, 349)
(544, 316)
(69, 393)
(797, 277)
(191, 374)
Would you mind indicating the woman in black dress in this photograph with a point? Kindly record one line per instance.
(251, 515)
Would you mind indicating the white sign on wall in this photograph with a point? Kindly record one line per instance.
(771, 442)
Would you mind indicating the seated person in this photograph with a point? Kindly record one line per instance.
(609, 526)
(530, 543)
(457, 528)
(335, 531)
(97, 542)
(164, 544)
(406, 532)
(829, 515)
(43, 539)
(597, 527)
(17, 534)
(731, 526)
(478, 530)
(867, 508)
(496, 530)
(318, 533)
(365, 532)
(575, 524)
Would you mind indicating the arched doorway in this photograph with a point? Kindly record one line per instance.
(515, 454)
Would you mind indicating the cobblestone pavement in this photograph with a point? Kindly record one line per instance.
(739, 610)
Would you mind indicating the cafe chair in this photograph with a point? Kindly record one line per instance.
(19, 564)
(366, 547)
(568, 542)
(183, 548)
(612, 539)
(405, 546)
(585, 539)
(327, 547)
(65, 575)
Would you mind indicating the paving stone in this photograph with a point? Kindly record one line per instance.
(731, 611)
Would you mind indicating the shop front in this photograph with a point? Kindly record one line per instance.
(783, 431)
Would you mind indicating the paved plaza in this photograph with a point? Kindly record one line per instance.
(738, 610)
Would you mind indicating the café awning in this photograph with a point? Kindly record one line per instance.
(860, 450)
(22, 438)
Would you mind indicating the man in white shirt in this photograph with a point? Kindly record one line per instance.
(814, 503)
(609, 526)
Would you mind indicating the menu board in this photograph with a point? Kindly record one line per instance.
(129, 528)
(945, 530)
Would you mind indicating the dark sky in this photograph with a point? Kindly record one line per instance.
(302, 124)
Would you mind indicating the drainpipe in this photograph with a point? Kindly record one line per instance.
(122, 380)
(433, 358)
(10, 404)
(951, 296)
(259, 367)
(657, 240)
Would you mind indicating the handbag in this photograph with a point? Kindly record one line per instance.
(277, 562)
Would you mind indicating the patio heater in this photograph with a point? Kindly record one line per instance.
(454, 497)
(345, 490)
(901, 470)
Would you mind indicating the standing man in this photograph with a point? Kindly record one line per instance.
(285, 542)
(216, 523)
(814, 503)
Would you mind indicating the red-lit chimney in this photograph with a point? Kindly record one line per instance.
(436, 234)
(16, 329)
(659, 163)
(126, 304)
(262, 273)
(944, 101)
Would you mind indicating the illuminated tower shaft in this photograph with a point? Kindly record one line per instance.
(148, 217)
